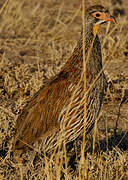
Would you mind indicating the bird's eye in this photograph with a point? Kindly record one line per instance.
(97, 14)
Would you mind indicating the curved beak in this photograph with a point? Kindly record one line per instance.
(110, 18)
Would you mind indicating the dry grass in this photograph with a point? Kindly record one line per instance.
(36, 38)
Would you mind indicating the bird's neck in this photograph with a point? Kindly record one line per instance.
(75, 62)
(86, 39)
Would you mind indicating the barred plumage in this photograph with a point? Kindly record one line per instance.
(44, 115)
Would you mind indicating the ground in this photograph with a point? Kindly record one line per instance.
(36, 38)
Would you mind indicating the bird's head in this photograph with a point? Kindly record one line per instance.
(96, 15)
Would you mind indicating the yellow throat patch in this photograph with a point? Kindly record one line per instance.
(95, 30)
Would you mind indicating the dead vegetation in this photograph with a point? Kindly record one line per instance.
(36, 38)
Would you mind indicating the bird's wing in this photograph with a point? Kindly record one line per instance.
(40, 117)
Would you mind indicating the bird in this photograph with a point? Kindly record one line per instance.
(56, 111)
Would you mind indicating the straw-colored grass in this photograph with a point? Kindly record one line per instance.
(36, 38)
